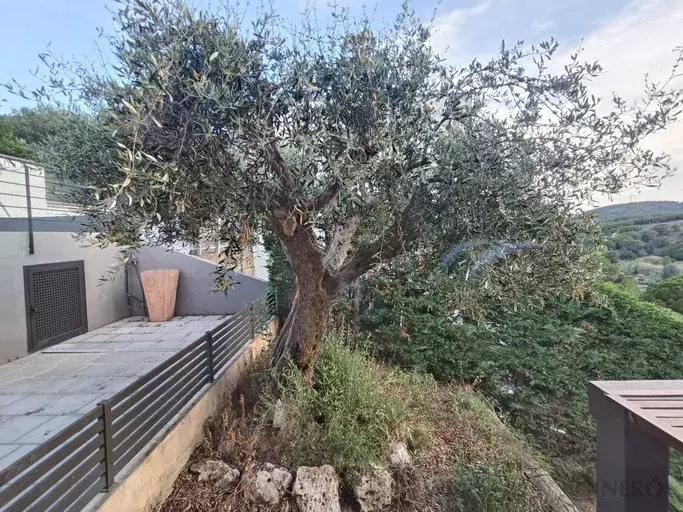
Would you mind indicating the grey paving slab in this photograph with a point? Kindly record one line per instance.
(28, 405)
(8, 399)
(6, 449)
(22, 385)
(70, 404)
(15, 427)
(44, 392)
(46, 430)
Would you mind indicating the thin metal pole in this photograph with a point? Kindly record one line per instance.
(108, 444)
(253, 330)
(209, 357)
(29, 213)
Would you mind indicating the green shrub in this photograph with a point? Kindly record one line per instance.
(347, 419)
(670, 270)
(535, 364)
(654, 260)
(667, 293)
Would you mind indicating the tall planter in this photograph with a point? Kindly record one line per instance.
(160, 288)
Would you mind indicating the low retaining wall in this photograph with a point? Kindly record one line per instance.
(149, 478)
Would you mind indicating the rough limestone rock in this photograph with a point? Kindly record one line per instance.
(399, 456)
(316, 489)
(225, 448)
(373, 492)
(278, 415)
(268, 485)
(229, 479)
(215, 470)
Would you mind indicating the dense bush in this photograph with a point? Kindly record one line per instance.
(670, 271)
(534, 365)
(667, 293)
(677, 253)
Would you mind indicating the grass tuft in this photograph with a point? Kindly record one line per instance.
(348, 419)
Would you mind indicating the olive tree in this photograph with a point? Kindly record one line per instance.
(351, 144)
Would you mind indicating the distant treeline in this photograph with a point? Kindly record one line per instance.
(640, 221)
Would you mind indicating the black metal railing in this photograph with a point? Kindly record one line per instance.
(70, 469)
(33, 197)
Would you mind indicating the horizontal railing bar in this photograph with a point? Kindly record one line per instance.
(56, 474)
(264, 324)
(220, 329)
(129, 428)
(223, 365)
(48, 199)
(228, 354)
(84, 491)
(227, 340)
(237, 339)
(55, 189)
(53, 443)
(99, 485)
(168, 411)
(22, 172)
(45, 465)
(148, 396)
(45, 177)
(160, 372)
(96, 460)
(230, 327)
(62, 218)
(51, 209)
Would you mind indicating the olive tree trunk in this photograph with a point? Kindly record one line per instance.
(301, 336)
(320, 274)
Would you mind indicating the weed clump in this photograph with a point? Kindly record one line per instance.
(348, 418)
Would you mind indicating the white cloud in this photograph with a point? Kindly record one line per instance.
(542, 26)
(639, 41)
(447, 28)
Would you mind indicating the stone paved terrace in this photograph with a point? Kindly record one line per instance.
(44, 392)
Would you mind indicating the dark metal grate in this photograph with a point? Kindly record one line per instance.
(56, 302)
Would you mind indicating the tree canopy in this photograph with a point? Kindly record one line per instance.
(667, 293)
(351, 144)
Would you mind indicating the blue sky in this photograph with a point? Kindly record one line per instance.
(629, 37)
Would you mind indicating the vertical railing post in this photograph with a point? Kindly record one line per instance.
(29, 213)
(209, 356)
(253, 329)
(105, 405)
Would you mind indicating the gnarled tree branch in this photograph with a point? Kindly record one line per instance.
(340, 242)
(392, 243)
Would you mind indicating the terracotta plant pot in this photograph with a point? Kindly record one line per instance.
(160, 291)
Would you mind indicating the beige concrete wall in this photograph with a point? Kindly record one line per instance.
(149, 479)
(106, 301)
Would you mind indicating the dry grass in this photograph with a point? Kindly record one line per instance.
(447, 427)
(254, 443)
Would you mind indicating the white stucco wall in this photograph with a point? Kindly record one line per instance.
(106, 302)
